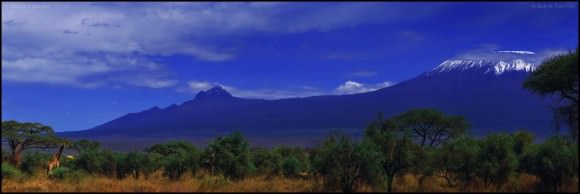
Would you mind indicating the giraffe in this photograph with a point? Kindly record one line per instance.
(54, 161)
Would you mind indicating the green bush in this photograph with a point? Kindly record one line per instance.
(459, 160)
(58, 173)
(34, 161)
(5, 155)
(291, 167)
(107, 165)
(66, 174)
(89, 161)
(345, 164)
(178, 164)
(150, 163)
(267, 161)
(497, 160)
(298, 153)
(10, 172)
(66, 161)
(397, 152)
(121, 167)
(177, 158)
(230, 156)
(555, 162)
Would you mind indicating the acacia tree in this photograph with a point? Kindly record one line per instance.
(178, 158)
(522, 144)
(267, 161)
(558, 75)
(555, 162)
(345, 164)
(291, 167)
(497, 159)
(90, 161)
(396, 147)
(431, 127)
(299, 158)
(426, 158)
(22, 136)
(229, 155)
(458, 161)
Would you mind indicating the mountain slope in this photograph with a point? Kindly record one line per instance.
(487, 93)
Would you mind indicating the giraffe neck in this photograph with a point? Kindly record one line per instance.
(57, 155)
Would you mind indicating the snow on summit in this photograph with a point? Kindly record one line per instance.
(497, 67)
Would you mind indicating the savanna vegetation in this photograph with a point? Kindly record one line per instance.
(419, 150)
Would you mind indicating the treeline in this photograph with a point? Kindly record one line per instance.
(425, 143)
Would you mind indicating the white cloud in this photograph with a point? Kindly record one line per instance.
(352, 87)
(85, 71)
(50, 71)
(195, 86)
(82, 35)
(349, 87)
(200, 85)
(492, 52)
(274, 93)
(175, 28)
(155, 83)
(519, 52)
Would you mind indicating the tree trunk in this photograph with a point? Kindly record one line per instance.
(390, 183)
(15, 159)
(422, 183)
(485, 182)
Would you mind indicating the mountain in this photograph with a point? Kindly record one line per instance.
(488, 93)
(484, 66)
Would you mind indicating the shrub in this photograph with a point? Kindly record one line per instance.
(497, 160)
(121, 168)
(10, 172)
(299, 154)
(177, 158)
(459, 160)
(66, 174)
(555, 162)
(398, 154)
(5, 155)
(58, 173)
(107, 163)
(345, 164)
(178, 164)
(89, 161)
(291, 167)
(68, 162)
(230, 156)
(34, 161)
(151, 163)
(267, 162)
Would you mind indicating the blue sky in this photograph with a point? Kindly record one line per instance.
(73, 66)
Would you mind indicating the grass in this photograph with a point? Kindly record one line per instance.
(156, 183)
(202, 183)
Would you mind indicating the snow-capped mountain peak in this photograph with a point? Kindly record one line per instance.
(497, 67)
